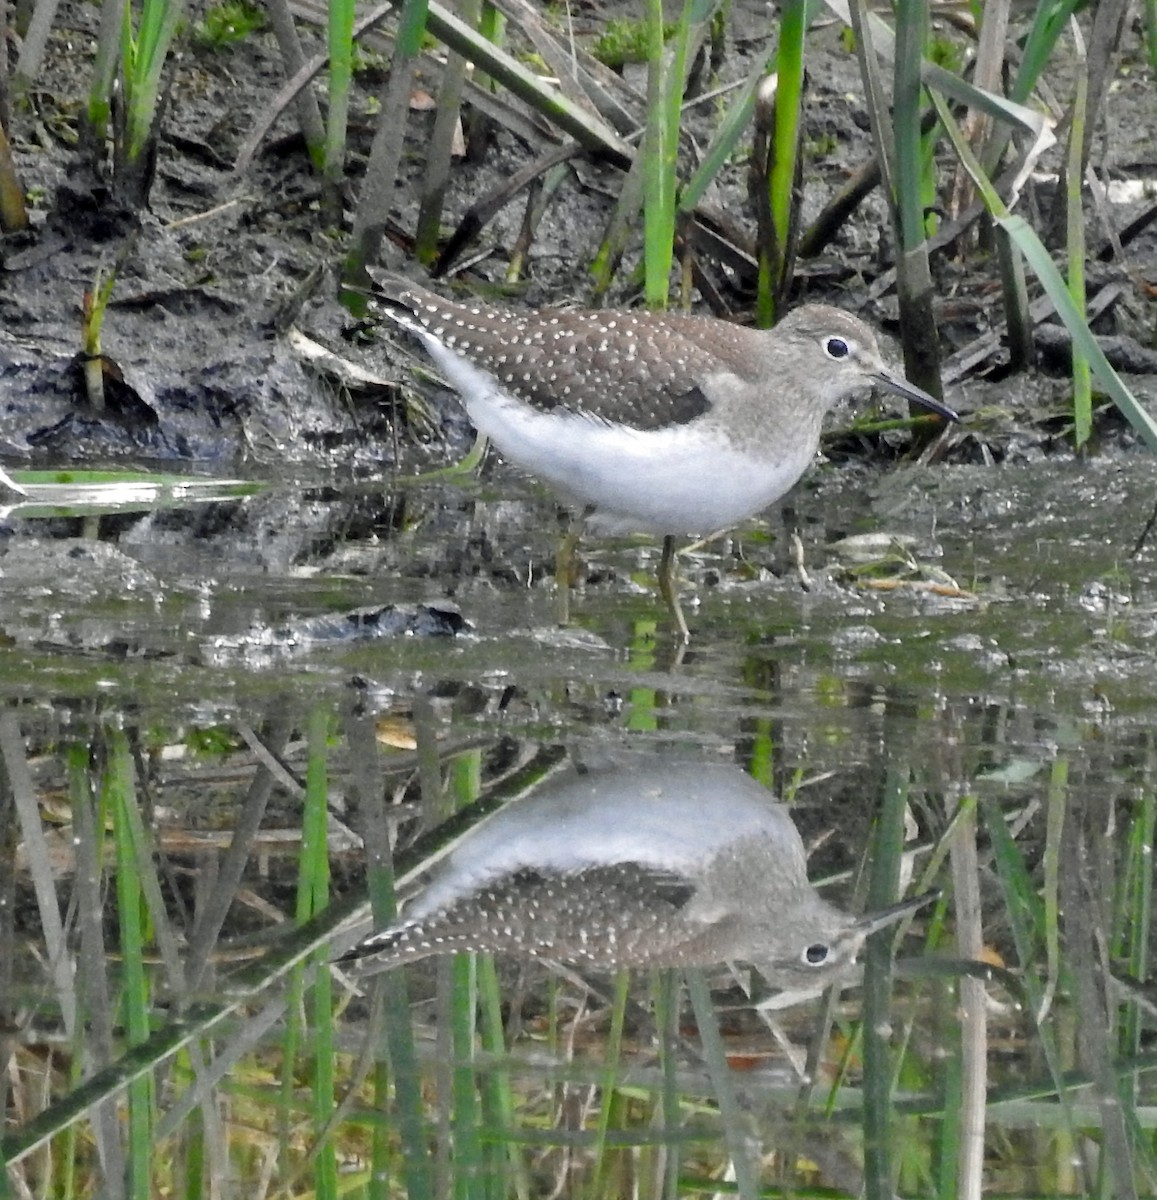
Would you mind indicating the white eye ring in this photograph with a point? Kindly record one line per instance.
(816, 954)
(836, 347)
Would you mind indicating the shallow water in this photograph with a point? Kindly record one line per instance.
(983, 712)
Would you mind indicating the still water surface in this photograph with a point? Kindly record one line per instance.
(198, 758)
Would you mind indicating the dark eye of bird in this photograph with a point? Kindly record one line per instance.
(836, 347)
(816, 954)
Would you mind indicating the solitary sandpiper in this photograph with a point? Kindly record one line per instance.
(650, 422)
(660, 865)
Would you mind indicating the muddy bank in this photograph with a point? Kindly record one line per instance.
(201, 369)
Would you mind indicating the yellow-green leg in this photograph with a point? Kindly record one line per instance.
(564, 563)
(669, 587)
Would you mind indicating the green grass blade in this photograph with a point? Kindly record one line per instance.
(470, 1175)
(1048, 24)
(143, 61)
(913, 272)
(313, 876)
(94, 1030)
(1150, 8)
(725, 139)
(665, 1005)
(666, 81)
(788, 108)
(624, 217)
(98, 108)
(969, 1113)
(1026, 918)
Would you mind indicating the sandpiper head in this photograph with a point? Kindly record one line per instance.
(822, 944)
(841, 356)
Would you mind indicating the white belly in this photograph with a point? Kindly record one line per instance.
(679, 480)
(671, 481)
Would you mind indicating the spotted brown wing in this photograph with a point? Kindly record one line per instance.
(606, 917)
(628, 369)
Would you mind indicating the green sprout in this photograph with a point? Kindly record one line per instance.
(944, 52)
(625, 41)
(228, 23)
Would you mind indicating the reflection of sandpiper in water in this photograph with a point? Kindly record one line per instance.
(667, 865)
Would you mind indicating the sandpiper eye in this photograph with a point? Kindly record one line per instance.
(835, 347)
(816, 954)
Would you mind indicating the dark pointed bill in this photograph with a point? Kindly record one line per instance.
(899, 385)
(869, 923)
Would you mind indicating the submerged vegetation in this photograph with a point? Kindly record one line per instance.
(244, 1019)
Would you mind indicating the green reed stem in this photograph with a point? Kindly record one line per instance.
(470, 1176)
(775, 260)
(312, 898)
(666, 81)
(143, 56)
(1135, 911)
(660, 146)
(1050, 893)
(887, 851)
(1075, 249)
(665, 1006)
(497, 1088)
(119, 798)
(735, 1121)
(1027, 924)
(406, 1105)
(340, 31)
(912, 21)
(379, 183)
(439, 152)
(913, 273)
(611, 1069)
(468, 1164)
(1150, 10)
(788, 107)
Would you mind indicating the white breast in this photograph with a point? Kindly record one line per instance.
(681, 480)
(671, 817)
